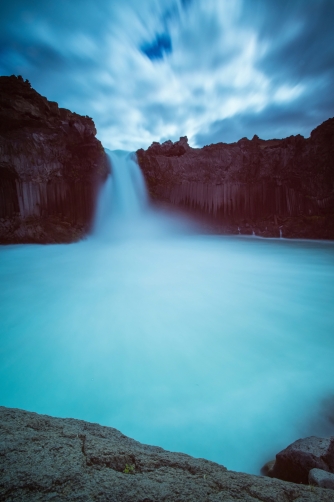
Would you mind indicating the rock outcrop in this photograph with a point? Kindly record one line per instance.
(269, 187)
(295, 462)
(51, 166)
(44, 458)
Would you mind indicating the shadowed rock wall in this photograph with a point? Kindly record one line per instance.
(243, 200)
(51, 166)
(253, 185)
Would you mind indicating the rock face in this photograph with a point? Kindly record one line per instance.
(44, 458)
(267, 187)
(296, 461)
(51, 165)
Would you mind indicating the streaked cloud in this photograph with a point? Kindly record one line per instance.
(160, 69)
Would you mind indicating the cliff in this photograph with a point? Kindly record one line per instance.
(44, 458)
(260, 186)
(51, 165)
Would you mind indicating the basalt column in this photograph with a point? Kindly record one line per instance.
(51, 167)
(268, 187)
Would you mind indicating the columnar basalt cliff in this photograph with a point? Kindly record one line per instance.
(268, 187)
(51, 166)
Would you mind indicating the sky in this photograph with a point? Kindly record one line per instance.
(153, 70)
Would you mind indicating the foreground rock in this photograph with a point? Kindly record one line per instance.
(296, 461)
(268, 188)
(44, 458)
(318, 477)
(51, 166)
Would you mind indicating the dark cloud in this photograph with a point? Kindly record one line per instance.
(273, 122)
(186, 3)
(85, 15)
(39, 54)
(158, 69)
(299, 36)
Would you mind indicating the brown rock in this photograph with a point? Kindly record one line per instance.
(288, 181)
(51, 165)
(295, 462)
(268, 468)
(329, 457)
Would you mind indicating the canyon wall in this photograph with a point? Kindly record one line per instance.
(266, 187)
(51, 166)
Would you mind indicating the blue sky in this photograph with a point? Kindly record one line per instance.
(152, 70)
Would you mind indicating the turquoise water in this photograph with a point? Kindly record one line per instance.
(215, 346)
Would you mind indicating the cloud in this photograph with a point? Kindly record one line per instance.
(278, 119)
(159, 69)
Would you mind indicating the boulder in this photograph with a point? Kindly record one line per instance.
(295, 462)
(329, 457)
(268, 468)
(44, 458)
(318, 477)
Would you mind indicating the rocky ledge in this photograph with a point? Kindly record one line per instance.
(266, 187)
(51, 166)
(44, 458)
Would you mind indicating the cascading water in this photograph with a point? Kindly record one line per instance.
(123, 208)
(123, 198)
(219, 347)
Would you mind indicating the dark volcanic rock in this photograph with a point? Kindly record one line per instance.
(267, 469)
(329, 457)
(295, 462)
(44, 458)
(269, 187)
(51, 165)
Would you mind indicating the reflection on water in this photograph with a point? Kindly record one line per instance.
(218, 347)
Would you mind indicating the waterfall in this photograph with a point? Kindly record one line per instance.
(123, 199)
(129, 196)
(123, 207)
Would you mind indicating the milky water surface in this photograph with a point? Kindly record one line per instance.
(215, 346)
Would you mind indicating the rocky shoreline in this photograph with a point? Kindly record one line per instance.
(44, 458)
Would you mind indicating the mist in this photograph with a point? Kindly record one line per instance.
(219, 347)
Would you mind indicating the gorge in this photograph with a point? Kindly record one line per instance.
(51, 168)
(217, 346)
